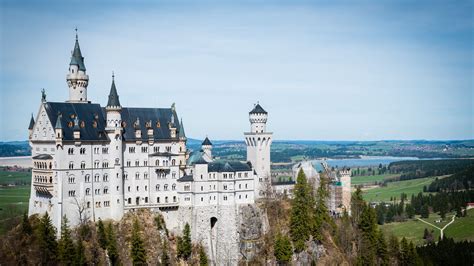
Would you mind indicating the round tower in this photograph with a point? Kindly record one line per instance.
(114, 131)
(258, 142)
(206, 147)
(77, 79)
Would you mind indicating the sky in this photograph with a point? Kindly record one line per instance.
(324, 70)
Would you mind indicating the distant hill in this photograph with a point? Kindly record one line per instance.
(14, 148)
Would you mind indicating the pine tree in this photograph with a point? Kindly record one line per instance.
(66, 247)
(101, 234)
(302, 206)
(404, 258)
(425, 212)
(321, 212)
(382, 250)
(80, 256)
(357, 205)
(282, 249)
(165, 258)
(368, 228)
(394, 248)
(47, 240)
(202, 257)
(184, 243)
(112, 245)
(138, 252)
(25, 225)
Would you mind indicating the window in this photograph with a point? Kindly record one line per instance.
(144, 149)
(106, 190)
(87, 178)
(128, 163)
(146, 188)
(131, 149)
(173, 162)
(138, 188)
(225, 176)
(187, 187)
(174, 198)
(106, 203)
(145, 175)
(105, 178)
(166, 199)
(166, 187)
(71, 165)
(173, 175)
(145, 163)
(97, 191)
(137, 163)
(128, 188)
(83, 165)
(225, 187)
(157, 162)
(225, 197)
(156, 149)
(137, 175)
(118, 188)
(96, 178)
(240, 186)
(125, 176)
(96, 164)
(173, 187)
(88, 204)
(157, 187)
(105, 150)
(72, 193)
(246, 185)
(70, 151)
(202, 188)
(146, 199)
(72, 180)
(246, 174)
(158, 200)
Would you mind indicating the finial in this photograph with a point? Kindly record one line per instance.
(76, 33)
(43, 95)
(113, 75)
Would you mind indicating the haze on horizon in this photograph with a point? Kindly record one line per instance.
(323, 70)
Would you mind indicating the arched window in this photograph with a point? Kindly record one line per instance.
(88, 191)
(166, 187)
(173, 162)
(173, 187)
(157, 187)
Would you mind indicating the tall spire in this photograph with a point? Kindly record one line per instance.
(77, 58)
(113, 95)
(181, 133)
(32, 122)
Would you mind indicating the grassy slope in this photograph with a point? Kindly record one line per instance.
(394, 189)
(14, 200)
(462, 228)
(359, 180)
(412, 230)
(12, 177)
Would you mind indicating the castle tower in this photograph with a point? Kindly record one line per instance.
(206, 147)
(77, 80)
(114, 131)
(258, 142)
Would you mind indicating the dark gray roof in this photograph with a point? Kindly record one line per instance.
(88, 114)
(206, 142)
(258, 110)
(186, 178)
(145, 115)
(228, 166)
(113, 96)
(43, 157)
(200, 161)
(77, 58)
(32, 122)
(282, 183)
(167, 154)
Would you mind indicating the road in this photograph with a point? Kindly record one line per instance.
(440, 229)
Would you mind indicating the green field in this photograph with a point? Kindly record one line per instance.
(7, 178)
(462, 228)
(371, 179)
(14, 198)
(394, 189)
(412, 230)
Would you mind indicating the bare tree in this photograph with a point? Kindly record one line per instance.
(81, 210)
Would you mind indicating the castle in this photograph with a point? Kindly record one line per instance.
(92, 162)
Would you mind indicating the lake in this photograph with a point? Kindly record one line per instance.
(363, 161)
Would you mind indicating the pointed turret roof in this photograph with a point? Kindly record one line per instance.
(58, 123)
(77, 58)
(76, 124)
(32, 122)
(181, 133)
(113, 95)
(258, 110)
(206, 142)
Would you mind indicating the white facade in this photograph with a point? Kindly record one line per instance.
(92, 163)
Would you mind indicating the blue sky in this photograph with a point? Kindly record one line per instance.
(351, 70)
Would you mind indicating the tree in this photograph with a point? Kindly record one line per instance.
(410, 211)
(165, 258)
(357, 205)
(425, 212)
(282, 249)
(138, 252)
(112, 245)
(66, 249)
(184, 248)
(202, 257)
(102, 238)
(47, 240)
(394, 248)
(80, 256)
(321, 212)
(404, 252)
(301, 208)
(25, 225)
(382, 250)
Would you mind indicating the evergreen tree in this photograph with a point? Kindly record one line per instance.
(302, 206)
(282, 249)
(321, 212)
(184, 244)
(25, 225)
(101, 234)
(425, 212)
(80, 256)
(357, 205)
(112, 245)
(404, 256)
(368, 228)
(47, 240)
(138, 252)
(382, 250)
(165, 258)
(410, 211)
(66, 247)
(202, 257)
(394, 248)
